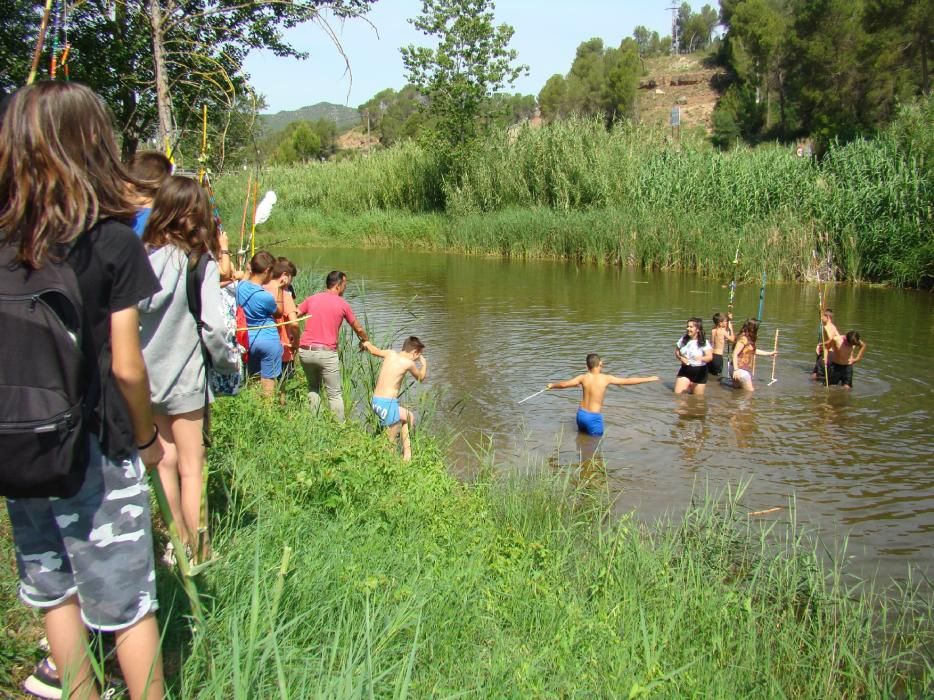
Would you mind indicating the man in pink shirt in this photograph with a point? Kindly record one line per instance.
(318, 345)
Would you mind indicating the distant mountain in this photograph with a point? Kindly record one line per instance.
(344, 117)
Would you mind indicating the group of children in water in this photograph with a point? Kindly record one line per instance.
(701, 358)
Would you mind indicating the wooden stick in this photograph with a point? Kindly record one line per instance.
(276, 325)
(534, 395)
(246, 206)
(40, 42)
(774, 358)
(766, 511)
(253, 228)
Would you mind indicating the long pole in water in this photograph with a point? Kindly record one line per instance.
(759, 314)
(729, 309)
(534, 395)
(820, 331)
(774, 358)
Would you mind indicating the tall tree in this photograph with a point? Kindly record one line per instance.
(156, 62)
(471, 61)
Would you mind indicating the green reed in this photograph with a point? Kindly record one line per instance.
(867, 205)
(345, 572)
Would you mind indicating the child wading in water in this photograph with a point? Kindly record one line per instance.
(842, 359)
(593, 384)
(694, 352)
(385, 402)
(743, 352)
(721, 333)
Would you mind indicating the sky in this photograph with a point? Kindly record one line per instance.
(547, 33)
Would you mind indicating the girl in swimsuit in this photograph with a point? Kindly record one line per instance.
(694, 352)
(743, 352)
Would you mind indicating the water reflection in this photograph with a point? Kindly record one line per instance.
(859, 463)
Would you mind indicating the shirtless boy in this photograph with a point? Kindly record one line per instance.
(721, 333)
(832, 340)
(385, 402)
(843, 358)
(594, 384)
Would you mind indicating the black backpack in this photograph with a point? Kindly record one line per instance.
(44, 380)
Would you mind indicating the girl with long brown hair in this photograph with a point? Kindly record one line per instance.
(86, 559)
(179, 232)
(743, 352)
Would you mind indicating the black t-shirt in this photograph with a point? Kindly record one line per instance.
(113, 273)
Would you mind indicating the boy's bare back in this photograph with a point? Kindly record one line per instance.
(395, 365)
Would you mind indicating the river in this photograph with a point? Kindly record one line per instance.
(858, 465)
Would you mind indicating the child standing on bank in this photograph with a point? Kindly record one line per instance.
(593, 386)
(179, 232)
(385, 404)
(86, 559)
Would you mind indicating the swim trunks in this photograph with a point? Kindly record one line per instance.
(697, 375)
(715, 366)
(841, 374)
(387, 410)
(743, 375)
(589, 423)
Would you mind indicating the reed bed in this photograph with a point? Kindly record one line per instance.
(867, 206)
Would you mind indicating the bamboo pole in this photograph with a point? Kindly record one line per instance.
(40, 42)
(774, 358)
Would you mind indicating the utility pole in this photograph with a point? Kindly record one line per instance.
(674, 29)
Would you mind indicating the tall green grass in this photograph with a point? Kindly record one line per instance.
(348, 573)
(867, 206)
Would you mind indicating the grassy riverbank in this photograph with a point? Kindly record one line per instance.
(401, 581)
(630, 196)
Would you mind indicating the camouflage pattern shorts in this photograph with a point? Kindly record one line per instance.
(96, 544)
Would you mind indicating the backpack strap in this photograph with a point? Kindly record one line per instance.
(194, 280)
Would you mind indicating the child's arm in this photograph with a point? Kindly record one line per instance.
(859, 353)
(129, 370)
(419, 372)
(566, 384)
(373, 350)
(766, 353)
(627, 381)
(730, 335)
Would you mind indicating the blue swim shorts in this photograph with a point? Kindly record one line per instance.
(387, 410)
(589, 423)
(265, 357)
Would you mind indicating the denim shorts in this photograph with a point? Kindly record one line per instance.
(265, 357)
(96, 545)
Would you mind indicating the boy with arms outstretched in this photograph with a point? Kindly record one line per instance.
(593, 384)
(385, 402)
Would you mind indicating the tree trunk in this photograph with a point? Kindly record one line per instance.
(163, 100)
(925, 75)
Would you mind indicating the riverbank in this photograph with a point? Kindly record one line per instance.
(400, 580)
(574, 190)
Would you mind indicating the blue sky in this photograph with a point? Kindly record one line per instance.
(547, 34)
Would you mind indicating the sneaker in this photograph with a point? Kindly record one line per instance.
(168, 557)
(44, 681)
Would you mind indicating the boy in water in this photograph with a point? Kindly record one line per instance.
(385, 402)
(593, 384)
(722, 332)
(831, 340)
(842, 359)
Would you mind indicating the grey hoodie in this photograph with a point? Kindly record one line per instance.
(170, 337)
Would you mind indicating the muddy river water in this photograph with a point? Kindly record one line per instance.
(858, 465)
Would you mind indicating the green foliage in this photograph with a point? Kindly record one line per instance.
(393, 115)
(625, 195)
(695, 29)
(470, 63)
(341, 116)
(601, 83)
(205, 46)
(649, 43)
(834, 69)
(302, 141)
